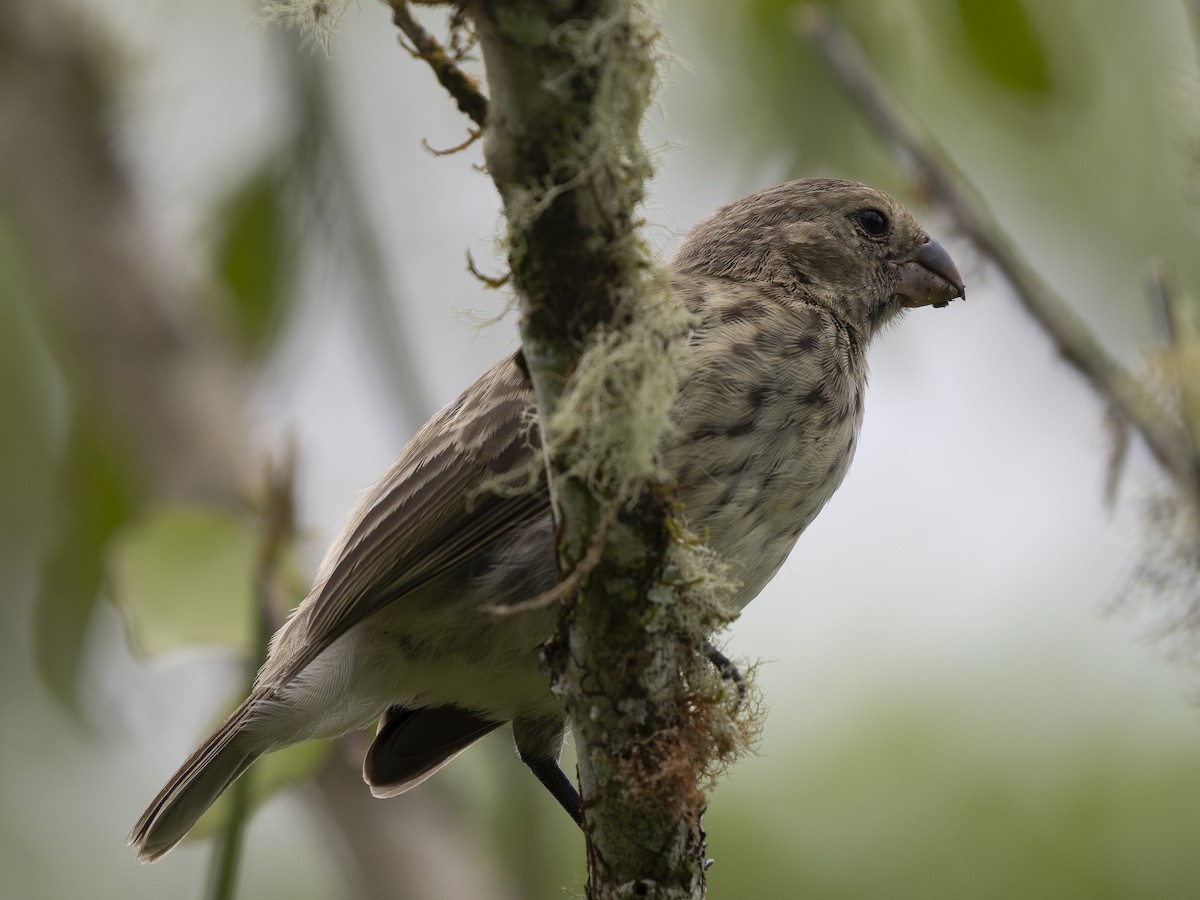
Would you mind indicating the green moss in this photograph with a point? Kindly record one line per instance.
(609, 426)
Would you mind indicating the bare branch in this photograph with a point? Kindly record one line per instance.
(492, 281)
(278, 515)
(473, 135)
(1183, 348)
(461, 86)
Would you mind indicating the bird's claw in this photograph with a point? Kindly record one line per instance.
(727, 670)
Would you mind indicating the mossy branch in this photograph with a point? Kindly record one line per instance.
(444, 63)
(602, 341)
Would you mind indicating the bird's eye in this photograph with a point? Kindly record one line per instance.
(872, 221)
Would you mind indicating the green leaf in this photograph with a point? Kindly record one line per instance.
(63, 485)
(1005, 44)
(254, 256)
(186, 576)
(96, 496)
(35, 479)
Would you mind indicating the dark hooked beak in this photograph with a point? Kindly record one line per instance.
(928, 276)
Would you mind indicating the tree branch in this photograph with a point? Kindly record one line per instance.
(278, 524)
(461, 86)
(568, 88)
(1078, 345)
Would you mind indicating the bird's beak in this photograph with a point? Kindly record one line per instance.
(928, 276)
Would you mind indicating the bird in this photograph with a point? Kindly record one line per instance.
(786, 289)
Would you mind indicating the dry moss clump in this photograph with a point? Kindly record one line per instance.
(609, 427)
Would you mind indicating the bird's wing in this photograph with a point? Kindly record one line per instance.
(470, 475)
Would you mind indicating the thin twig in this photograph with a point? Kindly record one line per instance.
(461, 86)
(278, 530)
(227, 854)
(1116, 430)
(942, 181)
(1183, 342)
(473, 134)
(574, 579)
(492, 281)
(1164, 299)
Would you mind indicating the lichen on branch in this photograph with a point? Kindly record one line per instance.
(604, 346)
(608, 428)
(317, 20)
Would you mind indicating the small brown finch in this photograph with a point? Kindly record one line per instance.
(788, 288)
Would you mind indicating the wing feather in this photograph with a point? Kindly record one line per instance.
(470, 475)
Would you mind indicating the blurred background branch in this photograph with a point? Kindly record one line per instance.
(1162, 407)
(277, 531)
(944, 185)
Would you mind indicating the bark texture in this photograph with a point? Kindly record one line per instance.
(569, 82)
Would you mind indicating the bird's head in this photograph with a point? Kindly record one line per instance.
(841, 244)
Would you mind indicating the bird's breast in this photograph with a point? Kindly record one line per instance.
(768, 423)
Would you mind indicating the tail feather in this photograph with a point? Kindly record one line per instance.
(197, 784)
(412, 744)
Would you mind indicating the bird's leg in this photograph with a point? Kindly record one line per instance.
(550, 774)
(727, 670)
(561, 788)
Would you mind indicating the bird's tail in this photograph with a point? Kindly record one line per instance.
(205, 775)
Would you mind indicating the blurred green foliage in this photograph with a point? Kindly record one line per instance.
(798, 109)
(64, 478)
(96, 495)
(913, 802)
(184, 576)
(804, 110)
(31, 402)
(187, 576)
(255, 258)
(1005, 44)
